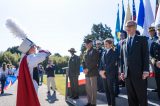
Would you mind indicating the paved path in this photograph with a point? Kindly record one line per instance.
(9, 98)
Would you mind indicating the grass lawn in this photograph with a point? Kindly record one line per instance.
(60, 83)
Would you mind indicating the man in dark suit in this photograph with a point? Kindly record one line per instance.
(136, 66)
(108, 70)
(90, 66)
(74, 71)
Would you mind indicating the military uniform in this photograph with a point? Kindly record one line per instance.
(152, 38)
(155, 54)
(74, 67)
(90, 63)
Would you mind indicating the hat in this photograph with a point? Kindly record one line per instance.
(131, 23)
(87, 41)
(158, 27)
(152, 28)
(72, 50)
(98, 42)
(25, 45)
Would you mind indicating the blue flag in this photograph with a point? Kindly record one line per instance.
(117, 30)
(141, 14)
(123, 15)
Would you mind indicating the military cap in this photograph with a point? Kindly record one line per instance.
(87, 41)
(151, 28)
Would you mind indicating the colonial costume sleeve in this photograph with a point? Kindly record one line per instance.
(34, 60)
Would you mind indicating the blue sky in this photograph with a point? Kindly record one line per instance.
(56, 25)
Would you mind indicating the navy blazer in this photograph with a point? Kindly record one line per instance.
(109, 63)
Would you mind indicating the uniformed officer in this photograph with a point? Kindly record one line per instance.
(74, 67)
(155, 54)
(153, 36)
(90, 69)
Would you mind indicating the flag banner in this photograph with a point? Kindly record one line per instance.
(149, 17)
(128, 15)
(11, 79)
(81, 78)
(134, 11)
(123, 15)
(117, 30)
(157, 5)
(158, 17)
(141, 14)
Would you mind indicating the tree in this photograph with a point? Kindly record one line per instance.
(9, 58)
(14, 50)
(98, 32)
(57, 54)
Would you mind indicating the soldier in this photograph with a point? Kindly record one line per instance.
(153, 36)
(99, 78)
(90, 66)
(74, 71)
(155, 54)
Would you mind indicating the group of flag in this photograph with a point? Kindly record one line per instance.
(145, 16)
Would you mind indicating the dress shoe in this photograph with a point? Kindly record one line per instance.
(92, 105)
(88, 104)
(76, 97)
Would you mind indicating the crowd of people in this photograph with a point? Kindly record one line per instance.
(128, 63)
(5, 71)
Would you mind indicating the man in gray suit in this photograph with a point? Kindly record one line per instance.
(135, 54)
(74, 71)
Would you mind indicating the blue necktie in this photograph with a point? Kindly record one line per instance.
(129, 44)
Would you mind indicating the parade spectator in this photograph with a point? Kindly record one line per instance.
(99, 78)
(74, 71)
(136, 66)
(36, 74)
(90, 66)
(3, 76)
(50, 71)
(41, 72)
(9, 68)
(155, 54)
(108, 70)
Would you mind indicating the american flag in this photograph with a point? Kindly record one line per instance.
(134, 11)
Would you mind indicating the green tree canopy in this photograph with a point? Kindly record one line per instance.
(98, 32)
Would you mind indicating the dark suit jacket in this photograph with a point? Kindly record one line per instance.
(74, 66)
(108, 63)
(90, 61)
(137, 60)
